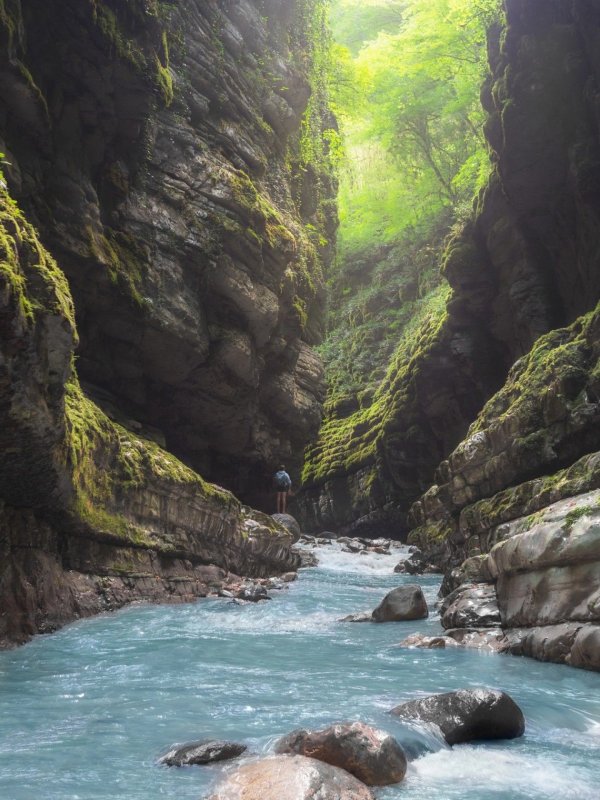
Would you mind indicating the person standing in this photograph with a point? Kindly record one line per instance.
(283, 484)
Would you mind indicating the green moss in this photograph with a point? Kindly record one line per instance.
(577, 514)
(112, 29)
(164, 77)
(352, 442)
(107, 461)
(558, 363)
(11, 21)
(124, 258)
(24, 259)
(531, 497)
(34, 88)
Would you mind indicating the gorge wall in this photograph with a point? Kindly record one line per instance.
(482, 444)
(526, 264)
(161, 153)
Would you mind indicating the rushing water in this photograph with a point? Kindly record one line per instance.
(85, 713)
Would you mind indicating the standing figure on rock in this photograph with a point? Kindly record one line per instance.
(283, 484)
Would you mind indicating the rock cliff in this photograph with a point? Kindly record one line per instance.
(163, 152)
(526, 264)
(165, 155)
(492, 417)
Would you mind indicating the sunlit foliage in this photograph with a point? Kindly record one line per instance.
(406, 92)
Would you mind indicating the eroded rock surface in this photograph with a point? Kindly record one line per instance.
(292, 777)
(371, 755)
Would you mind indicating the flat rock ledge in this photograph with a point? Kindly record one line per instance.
(284, 777)
(371, 755)
(467, 715)
(205, 751)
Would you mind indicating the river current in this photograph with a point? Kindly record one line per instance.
(86, 712)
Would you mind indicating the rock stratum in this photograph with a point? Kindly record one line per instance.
(482, 446)
(164, 229)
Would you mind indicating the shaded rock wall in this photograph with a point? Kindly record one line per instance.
(158, 149)
(92, 515)
(525, 265)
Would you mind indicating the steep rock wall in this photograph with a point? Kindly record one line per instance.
(526, 264)
(93, 516)
(158, 149)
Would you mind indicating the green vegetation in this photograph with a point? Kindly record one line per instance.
(404, 81)
(407, 98)
(23, 260)
(106, 460)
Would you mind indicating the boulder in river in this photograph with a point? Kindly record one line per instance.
(290, 524)
(205, 751)
(362, 616)
(307, 559)
(253, 592)
(290, 778)
(428, 642)
(413, 565)
(467, 715)
(371, 755)
(403, 603)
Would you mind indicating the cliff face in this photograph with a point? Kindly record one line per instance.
(162, 153)
(525, 265)
(93, 516)
(158, 149)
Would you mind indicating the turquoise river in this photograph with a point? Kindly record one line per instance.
(86, 712)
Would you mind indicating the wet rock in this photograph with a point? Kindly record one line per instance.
(354, 547)
(362, 616)
(290, 524)
(323, 541)
(206, 751)
(472, 606)
(307, 559)
(289, 577)
(403, 603)
(585, 652)
(290, 778)
(428, 642)
(371, 755)
(467, 715)
(413, 565)
(252, 593)
(489, 639)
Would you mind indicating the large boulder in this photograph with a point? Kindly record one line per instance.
(205, 751)
(292, 778)
(467, 715)
(403, 603)
(290, 524)
(371, 755)
(471, 606)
